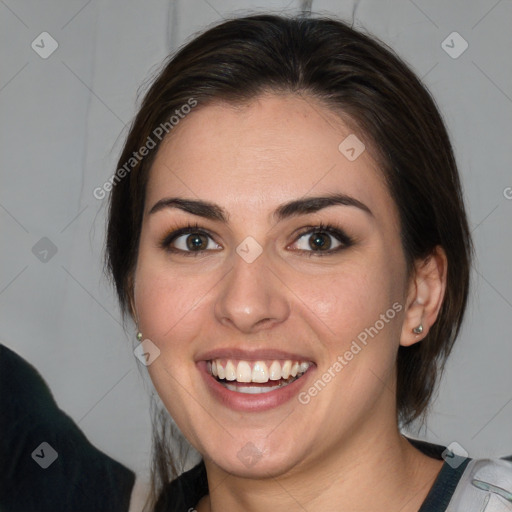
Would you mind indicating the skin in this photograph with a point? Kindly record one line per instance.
(344, 446)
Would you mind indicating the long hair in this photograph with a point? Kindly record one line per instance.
(377, 95)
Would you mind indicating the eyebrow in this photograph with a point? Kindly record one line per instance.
(294, 208)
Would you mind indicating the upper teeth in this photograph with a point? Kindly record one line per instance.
(256, 371)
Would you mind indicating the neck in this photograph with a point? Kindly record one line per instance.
(380, 470)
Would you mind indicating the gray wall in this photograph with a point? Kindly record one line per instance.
(63, 120)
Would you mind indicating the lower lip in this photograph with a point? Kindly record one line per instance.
(248, 402)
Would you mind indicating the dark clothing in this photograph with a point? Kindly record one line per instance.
(67, 473)
(444, 486)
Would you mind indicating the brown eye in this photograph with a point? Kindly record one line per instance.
(319, 241)
(322, 240)
(189, 240)
(196, 241)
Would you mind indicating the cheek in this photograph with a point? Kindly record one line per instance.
(357, 311)
(349, 298)
(167, 299)
(168, 306)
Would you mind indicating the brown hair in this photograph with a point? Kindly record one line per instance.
(369, 86)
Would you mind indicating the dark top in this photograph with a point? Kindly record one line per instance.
(184, 493)
(46, 462)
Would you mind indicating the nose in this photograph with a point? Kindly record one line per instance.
(251, 297)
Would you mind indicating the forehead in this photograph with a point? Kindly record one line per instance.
(274, 149)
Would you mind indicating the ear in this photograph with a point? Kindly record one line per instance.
(133, 313)
(131, 296)
(425, 296)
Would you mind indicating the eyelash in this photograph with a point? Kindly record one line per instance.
(330, 229)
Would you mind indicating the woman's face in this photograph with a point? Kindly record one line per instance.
(271, 277)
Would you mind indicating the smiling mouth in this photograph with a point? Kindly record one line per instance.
(256, 377)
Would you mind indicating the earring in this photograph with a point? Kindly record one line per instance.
(418, 330)
(139, 334)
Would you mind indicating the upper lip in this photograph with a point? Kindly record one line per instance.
(250, 355)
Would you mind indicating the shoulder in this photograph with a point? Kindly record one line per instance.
(465, 484)
(486, 484)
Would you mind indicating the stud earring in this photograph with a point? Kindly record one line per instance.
(418, 330)
(139, 334)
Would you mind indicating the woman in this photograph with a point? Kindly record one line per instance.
(288, 232)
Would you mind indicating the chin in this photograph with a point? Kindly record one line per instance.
(249, 462)
(258, 459)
